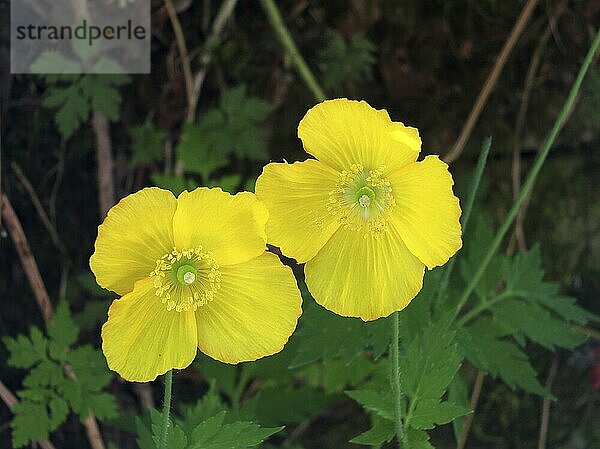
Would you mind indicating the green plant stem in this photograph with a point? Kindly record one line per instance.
(531, 177)
(166, 409)
(395, 377)
(483, 306)
(288, 43)
(481, 163)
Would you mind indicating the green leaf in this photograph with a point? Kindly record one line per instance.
(175, 184)
(26, 352)
(458, 393)
(375, 402)
(565, 307)
(198, 153)
(417, 439)
(62, 331)
(207, 407)
(147, 143)
(277, 405)
(326, 336)
(483, 344)
(429, 363)
(346, 61)
(536, 324)
(477, 241)
(431, 412)
(381, 431)
(214, 434)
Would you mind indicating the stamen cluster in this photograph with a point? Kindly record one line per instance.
(361, 199)
(186, 279)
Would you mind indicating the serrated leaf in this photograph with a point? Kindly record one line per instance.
(483, 344)
(326, 336)
(62, 331)
(346, 61)
(565, 307)
(417, 439)
(536, 324)
(198, 153)
(26, 352)
(429, 363)
(147, 143)
(375, 402)
(207, 407)
(381, 431)
(431, 412)
(214, 434)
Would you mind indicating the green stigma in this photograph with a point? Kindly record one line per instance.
(186, 274)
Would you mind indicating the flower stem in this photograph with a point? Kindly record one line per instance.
(395, 377)
(166, 409)
(288, 43)
(531, 177)
(468, 208)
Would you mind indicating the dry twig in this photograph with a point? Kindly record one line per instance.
(475, 394)
(546, 404)
(13, 225)
(106, 187)
(490, 82)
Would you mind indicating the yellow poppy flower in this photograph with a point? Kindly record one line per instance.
(193, 273)
(364, 216)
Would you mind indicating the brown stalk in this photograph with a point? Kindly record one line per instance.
(13, 225)
(475, 394)
(490, 82)
(106, 188)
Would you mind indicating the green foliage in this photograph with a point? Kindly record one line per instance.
(147, 143)
(77, 96)
(328, 337)
(60, 379)
(346, 62)
(206, 425)
(231, 128)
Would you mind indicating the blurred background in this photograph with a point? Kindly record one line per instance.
(73, 145)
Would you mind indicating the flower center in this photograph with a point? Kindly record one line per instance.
(361, 198)
(186, 279)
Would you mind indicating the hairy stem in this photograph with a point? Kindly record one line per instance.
(166, 410)
(533, 173)
(288, 43)
(395, 378)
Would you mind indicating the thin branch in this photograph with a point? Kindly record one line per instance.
(285, 38)
(11, 400)
(106, 187)
(39, 208)
(181, 45)
(490, 82)
(546, 404)
(13, 225)
(533, 173)
(212, 41)
(521, 121)
(475, 394)
(7, 396)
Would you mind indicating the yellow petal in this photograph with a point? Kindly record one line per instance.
(427, 213)
(142, 340)
(367, 277)
(232, 227)
(253, 314)
(297, 196)
(344, 132)
(135, 234)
